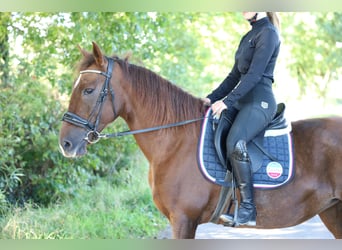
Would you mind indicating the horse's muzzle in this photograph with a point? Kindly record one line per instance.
(73, 145)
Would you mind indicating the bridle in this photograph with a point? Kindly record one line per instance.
(93, 135)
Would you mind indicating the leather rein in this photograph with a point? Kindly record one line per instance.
(93, 135)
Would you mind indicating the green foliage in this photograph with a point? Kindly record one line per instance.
(102, 211)
(31, 166)
(315, 54)
(4, 46)
(171, 44)
(194, 50)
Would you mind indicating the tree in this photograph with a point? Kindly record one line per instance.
(315, 54)
(175, 45)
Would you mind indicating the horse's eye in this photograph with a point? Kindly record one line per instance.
(87, 91)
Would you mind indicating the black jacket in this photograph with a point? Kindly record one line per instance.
(255, 59)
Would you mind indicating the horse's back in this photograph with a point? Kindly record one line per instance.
(318, 149)
(328, 129)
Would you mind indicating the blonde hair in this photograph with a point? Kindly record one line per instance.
(274, 19)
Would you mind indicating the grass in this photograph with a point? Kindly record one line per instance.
(102, 211)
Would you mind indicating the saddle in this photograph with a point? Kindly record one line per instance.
(255, 147)
(271, 152)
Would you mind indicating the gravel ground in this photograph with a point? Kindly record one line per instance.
(311, 229)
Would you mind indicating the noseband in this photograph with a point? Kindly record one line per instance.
(93, 135)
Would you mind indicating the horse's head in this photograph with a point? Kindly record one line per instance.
(92, 104)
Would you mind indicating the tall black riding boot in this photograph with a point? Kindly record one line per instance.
(241, 164)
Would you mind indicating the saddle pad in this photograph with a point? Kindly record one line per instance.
(271, 174)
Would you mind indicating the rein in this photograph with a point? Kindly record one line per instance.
(93, 135)
(145, 130)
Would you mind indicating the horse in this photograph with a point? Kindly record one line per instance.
(112, 87)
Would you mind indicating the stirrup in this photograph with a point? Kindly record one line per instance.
(228, 220)
(231, 220)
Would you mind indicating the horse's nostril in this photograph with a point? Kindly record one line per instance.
(67, 144)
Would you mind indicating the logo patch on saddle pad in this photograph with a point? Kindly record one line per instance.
(267, 173)
(274, 170)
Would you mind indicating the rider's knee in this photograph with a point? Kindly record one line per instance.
(240, 151)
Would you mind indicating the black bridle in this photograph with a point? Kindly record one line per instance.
(93, 135)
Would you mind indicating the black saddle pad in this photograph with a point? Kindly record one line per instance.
(267, 173)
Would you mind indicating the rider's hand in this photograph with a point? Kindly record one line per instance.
(217, 108)
(206, 101)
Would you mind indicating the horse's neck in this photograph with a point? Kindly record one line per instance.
(140, 116)
(153, 144)
(158, 145)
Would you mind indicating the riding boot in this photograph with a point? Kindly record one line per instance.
(241, 164)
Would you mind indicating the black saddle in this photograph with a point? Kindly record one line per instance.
(254, 147)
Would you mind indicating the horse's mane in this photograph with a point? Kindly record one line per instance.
(166, 102)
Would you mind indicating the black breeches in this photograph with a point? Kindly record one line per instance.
(250, 120)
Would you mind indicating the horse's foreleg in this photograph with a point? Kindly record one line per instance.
(183, 227)
(332, 219)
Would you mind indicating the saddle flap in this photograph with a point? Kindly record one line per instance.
(224, 124)
(221, 132)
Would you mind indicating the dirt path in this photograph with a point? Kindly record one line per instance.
(311, 229)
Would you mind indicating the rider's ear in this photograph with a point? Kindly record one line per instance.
(98, 55)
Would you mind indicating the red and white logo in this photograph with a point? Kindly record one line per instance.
(274, 170)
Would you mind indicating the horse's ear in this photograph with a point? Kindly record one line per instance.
(98, 55)
(83, 52)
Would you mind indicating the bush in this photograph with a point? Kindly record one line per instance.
(31, 166)
(103, 211)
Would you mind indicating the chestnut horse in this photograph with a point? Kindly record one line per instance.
(111, 87)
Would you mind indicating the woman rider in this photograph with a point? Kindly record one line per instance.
(248, 90)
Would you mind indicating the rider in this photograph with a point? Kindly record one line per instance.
(248, 89)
